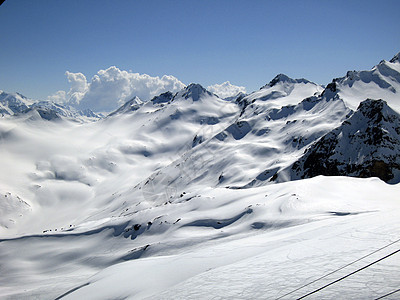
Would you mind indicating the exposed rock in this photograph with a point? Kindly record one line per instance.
(365, 145)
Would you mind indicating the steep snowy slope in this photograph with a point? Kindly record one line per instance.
(130, 105)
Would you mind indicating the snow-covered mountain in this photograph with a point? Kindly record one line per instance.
(381, 82)
(264, 137)
(365, 145)
(17, 104)
(11, 104)
(131, 105)
(190, 196)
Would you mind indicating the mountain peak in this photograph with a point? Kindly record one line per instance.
(162, 98)
(134, 104)
(395, 58)
(13, 103)
(135, 100)
(194, 91)
(195, 87)
(375, 110)
(285, 79)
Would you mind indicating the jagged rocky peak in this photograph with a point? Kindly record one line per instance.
(162, 98)
(285, 79)
(280, 78)
(135, 101)
(331, 89)
(396, 58)
(194, 91)
(376, 110)
(365, 145)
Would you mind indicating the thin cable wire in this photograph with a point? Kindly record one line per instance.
(337, 270)
(388, 294)
(352, 273)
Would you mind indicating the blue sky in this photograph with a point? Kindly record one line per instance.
(207, 42)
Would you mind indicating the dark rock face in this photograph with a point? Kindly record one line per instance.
(365, 145)
(239, 129)
(285, 79)
(332, 86)
(163, 98)
(379, 168)
(194, 91)
(47, 114)
(396, 58)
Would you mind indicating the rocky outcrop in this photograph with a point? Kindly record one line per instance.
(365, 145)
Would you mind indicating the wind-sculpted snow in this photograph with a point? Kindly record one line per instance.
(190, 196)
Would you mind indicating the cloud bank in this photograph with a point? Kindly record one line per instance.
(111, 88)
(226, 89)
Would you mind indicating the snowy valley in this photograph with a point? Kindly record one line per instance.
(269, 195)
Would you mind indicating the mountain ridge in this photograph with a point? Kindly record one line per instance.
(365, 145)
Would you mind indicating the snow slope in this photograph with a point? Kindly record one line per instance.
(190, 196)
(294, 235)
(261, 242)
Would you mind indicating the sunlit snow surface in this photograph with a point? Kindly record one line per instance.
(172, 199)
(257, 243)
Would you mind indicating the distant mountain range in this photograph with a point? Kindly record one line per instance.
(293, 128)
(17, 104)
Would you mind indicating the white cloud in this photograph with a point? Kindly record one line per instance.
(111, 88)
(58, 97)
(79, 87)
(226, 89)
